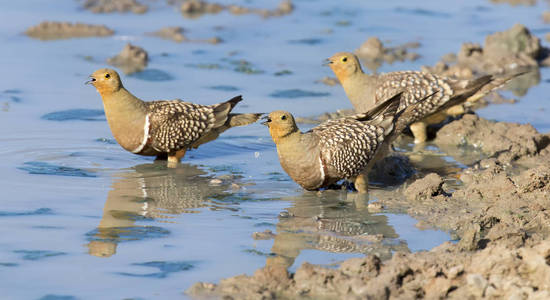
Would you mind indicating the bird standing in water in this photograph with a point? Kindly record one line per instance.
(165, 127)
(337, 149)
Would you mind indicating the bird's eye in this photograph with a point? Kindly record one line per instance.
(107, 75)
(283, 117)
(344, 59)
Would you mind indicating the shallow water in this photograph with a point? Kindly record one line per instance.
(81, 217)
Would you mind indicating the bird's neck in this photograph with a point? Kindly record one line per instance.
(360, 89)
(291, 138)
(126, 116)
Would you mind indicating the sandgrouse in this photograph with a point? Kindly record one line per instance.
(344, 148)
(365, 91)
(165, 127)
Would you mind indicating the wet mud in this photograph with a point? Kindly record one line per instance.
(495, 205)
(373, 53)
(177, 34)
(49, 30)
(131, 59)
(503, 52)
(197, 8)
(498, 212)
(109, 6)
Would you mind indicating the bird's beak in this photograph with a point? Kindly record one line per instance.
(267, 120)
(327, 62)
(91, 81)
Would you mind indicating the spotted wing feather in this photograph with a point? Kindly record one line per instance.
(348, 145)
(176, 125)
(415, 87)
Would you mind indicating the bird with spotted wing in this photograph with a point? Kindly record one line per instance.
(164, 128)
(366, 90)
(337, 149)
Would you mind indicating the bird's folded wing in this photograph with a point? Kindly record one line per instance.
(347, 145)
(176, 125)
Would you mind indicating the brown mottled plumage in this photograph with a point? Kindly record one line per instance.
(365, 91)
(162, 127)
(336, 149)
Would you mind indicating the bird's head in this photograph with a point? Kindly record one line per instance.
(106, 81)
(344, 65)
(281, 124)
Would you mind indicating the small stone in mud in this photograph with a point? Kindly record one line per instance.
(427, 187)
(215, 182)
(470, 238)
(171, 33)
(108, 6)
(264, 235)
(373, 53)
(196, 8)
(65, 30)
(131, 59)
(375, 207)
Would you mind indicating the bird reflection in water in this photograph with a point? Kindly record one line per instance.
(332, 221)
(152, 191)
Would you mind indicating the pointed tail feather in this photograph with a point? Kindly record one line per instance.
(222, 110)
(242, 119)
(494, 84)
(387, 108)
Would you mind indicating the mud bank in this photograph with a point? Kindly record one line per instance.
(65, 30)
(178, 35)
(109, 6)
(373, 53)
(131, 59)
(497, 211)
(512, 50)
(197, 8)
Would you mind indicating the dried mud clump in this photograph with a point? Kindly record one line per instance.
(427, 187)
(171, 33)
(65, 30)
(176, 34)
(504, 141)
(373, 53)
(131, 59)
(109, 6)
(197, 8)
(494, 272)
(508, 51)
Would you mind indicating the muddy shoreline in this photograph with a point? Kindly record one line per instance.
(496, 208)
(498, 214)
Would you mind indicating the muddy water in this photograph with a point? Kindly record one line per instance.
(81, 217)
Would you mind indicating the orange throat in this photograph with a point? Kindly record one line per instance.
(340, 73)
